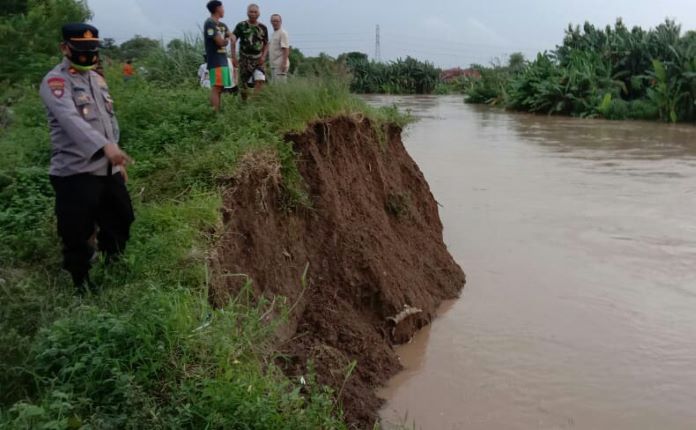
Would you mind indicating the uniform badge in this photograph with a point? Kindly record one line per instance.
(57, 86)
(211, 32)
(83, 98)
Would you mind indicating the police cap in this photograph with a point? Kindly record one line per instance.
(81, 36)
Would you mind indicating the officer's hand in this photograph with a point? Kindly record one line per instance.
(116, 155)
(235, 62)
(124, 173)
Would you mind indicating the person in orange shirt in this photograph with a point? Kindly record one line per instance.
(128, 71)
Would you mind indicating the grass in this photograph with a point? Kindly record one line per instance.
(150, 351)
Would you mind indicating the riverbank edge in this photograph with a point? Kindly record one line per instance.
(364, 265)
(174, 359)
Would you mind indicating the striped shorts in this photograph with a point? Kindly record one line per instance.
(220, 77)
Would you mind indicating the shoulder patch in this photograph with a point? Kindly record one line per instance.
(57, 86)
(211, 32)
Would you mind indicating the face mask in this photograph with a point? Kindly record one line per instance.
(83, 60)
(83, 68)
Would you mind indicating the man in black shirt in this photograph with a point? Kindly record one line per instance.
(217, 37)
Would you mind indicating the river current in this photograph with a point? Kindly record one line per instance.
(578, 238)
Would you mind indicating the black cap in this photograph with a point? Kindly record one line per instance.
(81, 36)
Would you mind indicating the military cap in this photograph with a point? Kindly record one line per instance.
(82, 36)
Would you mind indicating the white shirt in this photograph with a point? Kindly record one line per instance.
(204, 75)
(279, 40)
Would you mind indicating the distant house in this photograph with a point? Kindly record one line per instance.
(452, 74)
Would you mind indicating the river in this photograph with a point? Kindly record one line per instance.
(578, 238)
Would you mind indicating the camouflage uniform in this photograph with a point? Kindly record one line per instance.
(253, 38)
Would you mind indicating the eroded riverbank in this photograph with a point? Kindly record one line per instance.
(362, 265)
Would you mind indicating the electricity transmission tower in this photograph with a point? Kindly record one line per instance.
(378, 46)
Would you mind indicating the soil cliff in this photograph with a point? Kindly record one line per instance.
(364, 264)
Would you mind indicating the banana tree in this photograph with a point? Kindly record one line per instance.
(665, 93)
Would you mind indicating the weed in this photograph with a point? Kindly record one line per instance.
(398, 204)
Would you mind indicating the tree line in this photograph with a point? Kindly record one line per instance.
(612, 72)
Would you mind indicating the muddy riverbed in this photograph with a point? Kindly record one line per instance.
(579, 242)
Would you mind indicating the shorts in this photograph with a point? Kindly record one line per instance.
(220, 77)
(258, 76)
(250, 72)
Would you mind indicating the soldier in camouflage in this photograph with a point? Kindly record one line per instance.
(88, 168)
(253, 48)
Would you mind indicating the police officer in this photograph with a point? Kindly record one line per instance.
(88, 169)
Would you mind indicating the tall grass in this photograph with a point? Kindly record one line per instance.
(149, 351)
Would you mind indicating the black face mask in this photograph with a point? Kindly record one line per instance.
(86, 59)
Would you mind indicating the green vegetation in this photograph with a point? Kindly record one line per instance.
(614, 73)
(149, 351)
(29, 34)
(408, 76)
(491, 86)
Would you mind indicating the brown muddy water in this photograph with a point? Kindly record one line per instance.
(579, 242)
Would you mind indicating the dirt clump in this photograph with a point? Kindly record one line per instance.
(371, 246)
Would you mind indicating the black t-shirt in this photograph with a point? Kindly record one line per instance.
(217, 56)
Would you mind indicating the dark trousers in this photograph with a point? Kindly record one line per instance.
(84, 202)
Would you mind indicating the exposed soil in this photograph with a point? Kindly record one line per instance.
(377, 267)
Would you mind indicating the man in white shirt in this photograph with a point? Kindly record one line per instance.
(279, 50)
(203, 74)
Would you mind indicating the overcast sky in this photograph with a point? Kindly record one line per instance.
(446, 32)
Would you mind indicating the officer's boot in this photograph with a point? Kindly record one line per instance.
(84, 285)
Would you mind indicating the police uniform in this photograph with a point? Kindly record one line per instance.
(90, 192)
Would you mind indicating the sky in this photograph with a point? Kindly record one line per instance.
(448, 33)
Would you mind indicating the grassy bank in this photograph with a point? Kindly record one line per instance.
(613, 72)
(149, 351)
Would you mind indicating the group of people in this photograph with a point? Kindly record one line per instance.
(227, 70)
(88, 167)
